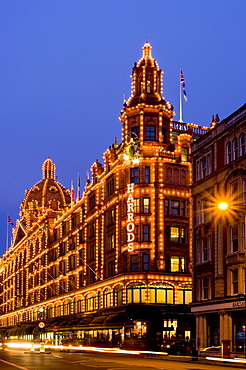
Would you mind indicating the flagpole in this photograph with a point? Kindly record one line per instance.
(7, 234)
(180, 100)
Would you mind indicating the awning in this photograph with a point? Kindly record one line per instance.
(86, 320)
(119, 319)
(98, 320)
(28, 329)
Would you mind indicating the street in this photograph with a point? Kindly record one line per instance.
(16, 359)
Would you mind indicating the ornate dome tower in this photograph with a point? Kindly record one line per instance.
(47, 194)
(146, 113)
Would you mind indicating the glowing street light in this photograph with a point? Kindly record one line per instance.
(223, 206)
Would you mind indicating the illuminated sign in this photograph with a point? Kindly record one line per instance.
(130, 226)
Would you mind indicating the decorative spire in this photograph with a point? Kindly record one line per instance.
(147, 50)
(48, 169)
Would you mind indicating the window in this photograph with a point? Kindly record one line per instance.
(204, 250)
(136, 205)
(90, 303)
(174, 263)
(135, 130)
(184, 295)
(72, 262)
(184, 154)
(134, 175)
(175, 207)
(204, 167)
(147, 174)
(91, 201)
(174, 234)
(111, 241)
(111, 268)
(150, 133)
(146, 205)
(234, 239)
(146, 233)
(81, 279)
(164, 135)
(62, 286)
(235, 147)
(62, 248)
(62, 268)
(177, 264)
(148, 86)
(110, 186)
(145, 259)
(161, 293)
(118, 295)
(234, 281)
(106, 298)
(64, 228)
(73, 221)
(71, 282)
(136, 293)
(205, 288)
(92, 229)
(134, 262)
(229, 152)
(242, 143)
(111, 215)
(81, 236)
(81, 257)
(92, 251)
(72, 242)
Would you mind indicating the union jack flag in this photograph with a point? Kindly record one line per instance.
(10, 221)
(182, 81)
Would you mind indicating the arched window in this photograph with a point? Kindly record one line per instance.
(161, 293)
(235, 148)
(67, 308)
(118, 295)
(148, 86)
(242, 144)
(106, 298)
(184, 294)
(136, 293)
(90, 303)
(229, 152)
(79, 305)
(57, 309)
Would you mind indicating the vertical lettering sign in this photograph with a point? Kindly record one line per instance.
(130, 226)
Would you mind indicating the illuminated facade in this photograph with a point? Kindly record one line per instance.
(219, 175)
(113, 267)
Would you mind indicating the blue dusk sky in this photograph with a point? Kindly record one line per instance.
(65, 65)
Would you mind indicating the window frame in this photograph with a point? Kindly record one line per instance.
(150, 133)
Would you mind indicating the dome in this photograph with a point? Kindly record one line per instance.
(146, 81)
(46, 194)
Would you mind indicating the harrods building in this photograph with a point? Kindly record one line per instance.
(112, 267)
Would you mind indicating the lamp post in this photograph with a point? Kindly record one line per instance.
(223, 206)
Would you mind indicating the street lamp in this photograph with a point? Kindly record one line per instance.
(223, 206)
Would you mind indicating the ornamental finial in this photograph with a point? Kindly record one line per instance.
(147, 50)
